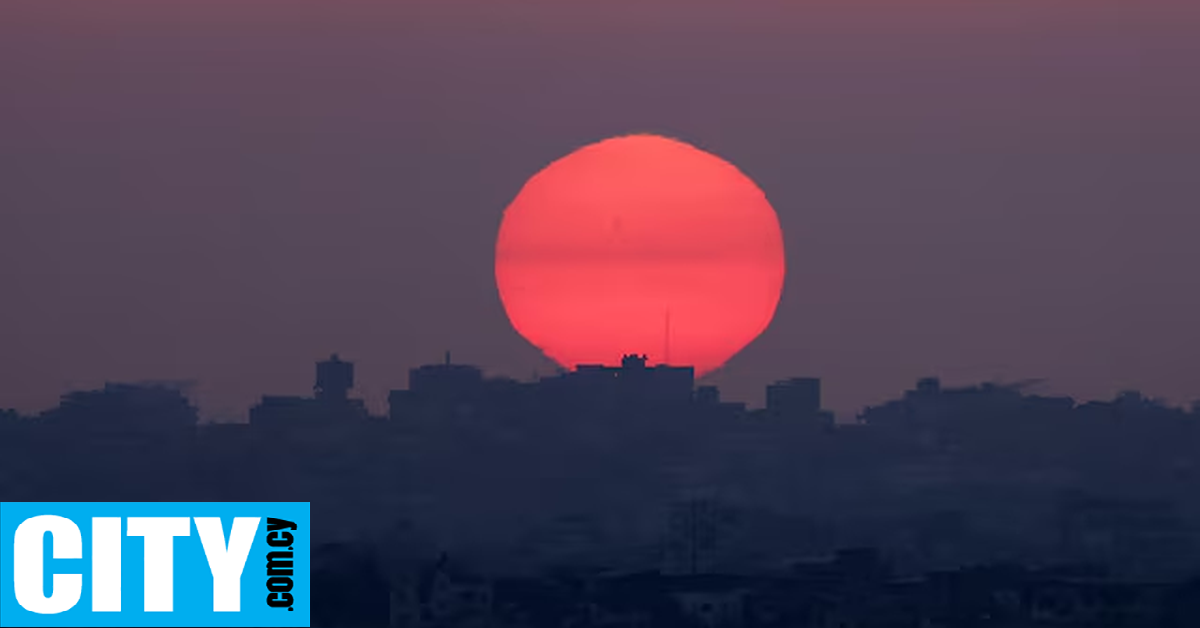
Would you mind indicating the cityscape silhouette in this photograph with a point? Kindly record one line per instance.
(764, 314)
(623, 496)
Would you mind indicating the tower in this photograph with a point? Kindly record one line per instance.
(335, 378)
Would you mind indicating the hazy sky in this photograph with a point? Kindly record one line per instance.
(227, 191)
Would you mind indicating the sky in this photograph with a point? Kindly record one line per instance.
(224, 192)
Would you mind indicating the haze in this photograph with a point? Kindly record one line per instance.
(226, 191)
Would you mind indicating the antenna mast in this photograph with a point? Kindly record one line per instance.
(667, 338)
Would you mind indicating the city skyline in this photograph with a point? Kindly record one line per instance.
(585, 468)
(974, 191)
(607, 314)
(805, 390)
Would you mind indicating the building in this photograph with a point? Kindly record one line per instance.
(634, 382)
(798, 399)
(446, 380)
(125, 408)
(459, 391)
(438, 391)
(335, 378)
(330, 404)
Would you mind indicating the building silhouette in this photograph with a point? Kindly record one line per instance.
(335, 378)
(330, 404)
(581, 474)
(125, 409)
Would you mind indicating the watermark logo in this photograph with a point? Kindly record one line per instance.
(154, 564)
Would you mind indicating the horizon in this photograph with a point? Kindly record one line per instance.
(1033, 387)
(218, 191)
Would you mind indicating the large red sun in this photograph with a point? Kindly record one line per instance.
(640, 244)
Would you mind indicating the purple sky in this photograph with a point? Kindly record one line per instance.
(227, 191)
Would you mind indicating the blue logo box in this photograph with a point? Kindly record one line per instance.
(154, 564)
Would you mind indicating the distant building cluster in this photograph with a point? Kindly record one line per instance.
(440, 390)
(635, 468)
(853, 589)
(330, 402)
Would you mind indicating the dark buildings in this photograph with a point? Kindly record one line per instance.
(439, 390)
(447, 389)
(335, 378)
(634, 382)
(329, 405)
(798, 400)
(580, 468)
(125, 409)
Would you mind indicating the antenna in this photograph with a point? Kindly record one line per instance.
(667, 338)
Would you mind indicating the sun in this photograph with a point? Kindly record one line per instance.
(640, 244)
